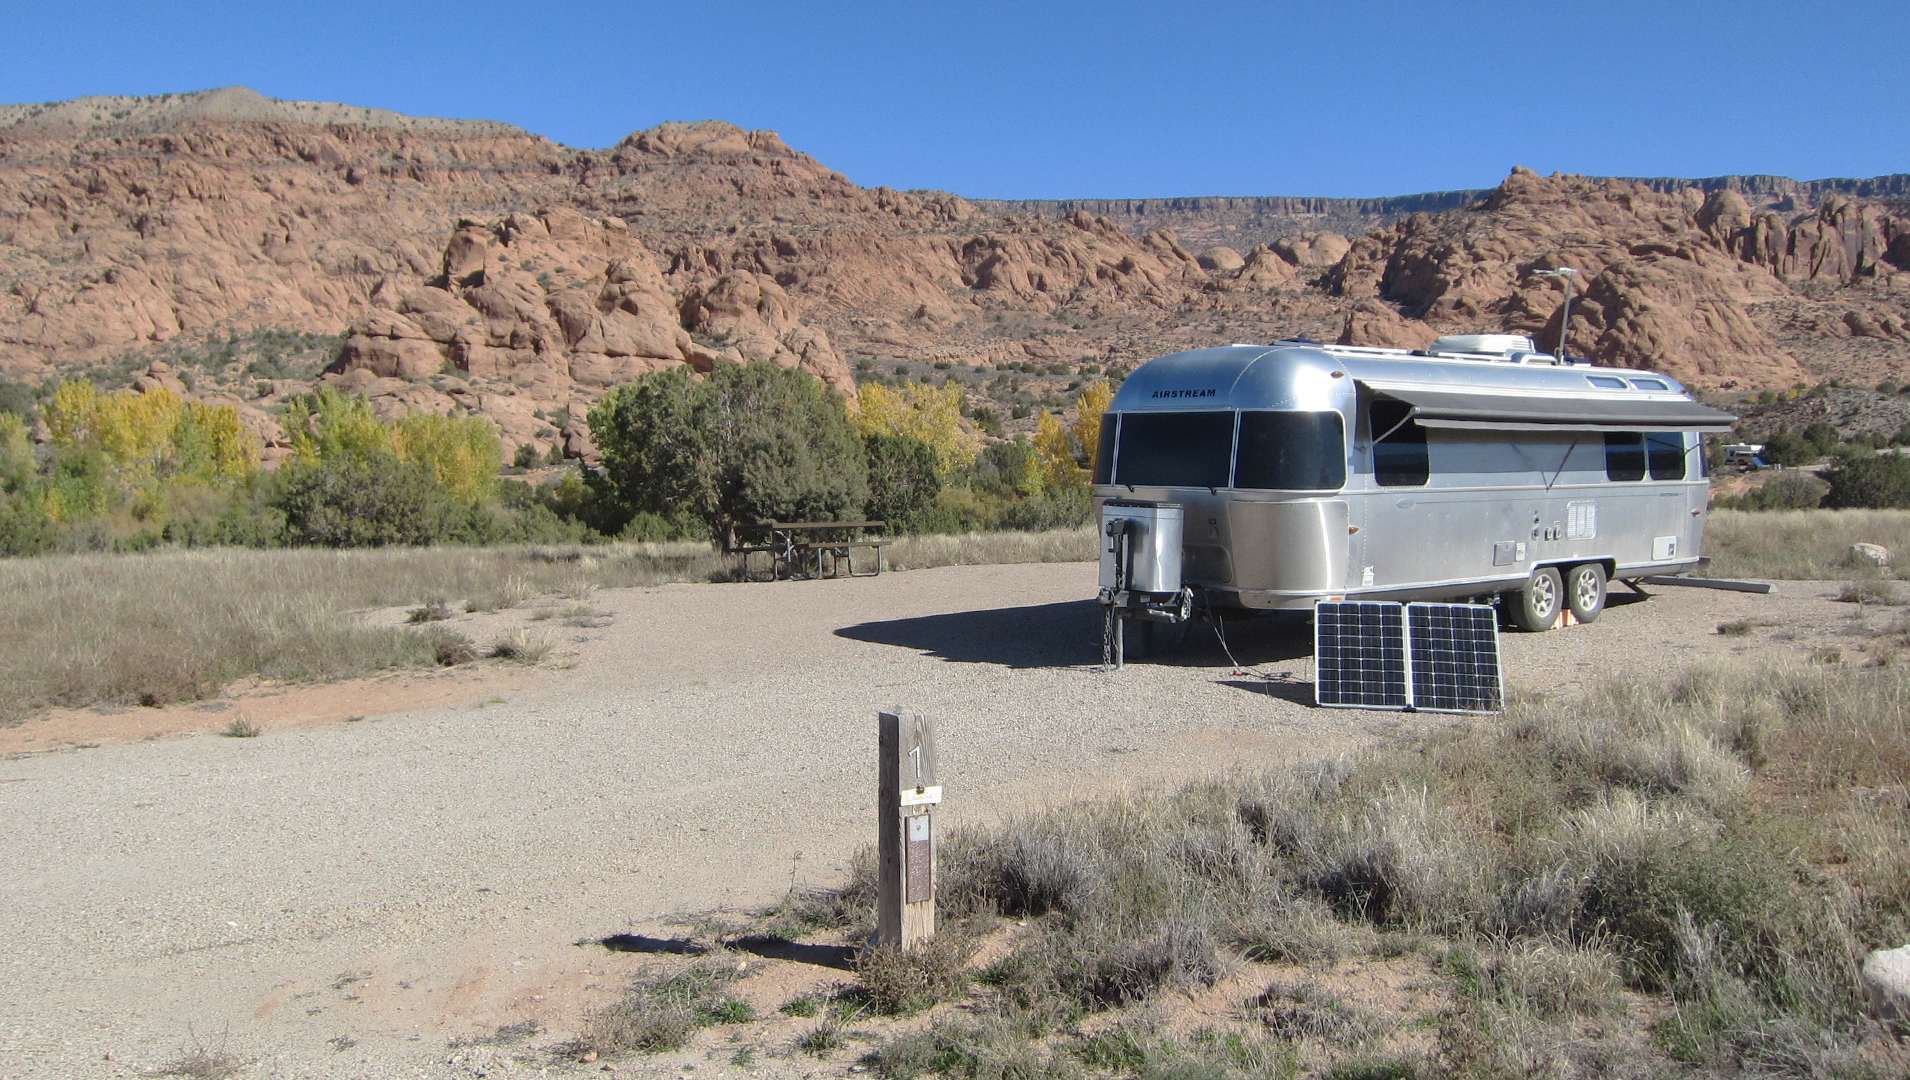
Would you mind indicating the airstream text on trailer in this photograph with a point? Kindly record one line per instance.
(1297, 472)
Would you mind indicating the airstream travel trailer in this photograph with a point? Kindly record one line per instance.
(1478, 468)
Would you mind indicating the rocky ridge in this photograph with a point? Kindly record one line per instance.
(472, 266)
(1684, 282)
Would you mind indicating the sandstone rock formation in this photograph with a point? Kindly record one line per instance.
(1671, 281)
(474, 267)
(1313, 249)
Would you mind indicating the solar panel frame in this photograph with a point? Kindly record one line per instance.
(1359, 655)
(1425, 657)
(1454, 658)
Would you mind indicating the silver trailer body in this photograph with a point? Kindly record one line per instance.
(1308, 472)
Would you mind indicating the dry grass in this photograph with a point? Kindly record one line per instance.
(1811, 545)
(661, 1011)
(906, 981)
(522, 646)
(241, 728)
(202, 1064)
(1723, 845)
(174, 626)
(987, 549)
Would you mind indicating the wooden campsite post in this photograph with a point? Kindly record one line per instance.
(906, 794)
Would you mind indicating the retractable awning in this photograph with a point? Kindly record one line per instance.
(1510, 412)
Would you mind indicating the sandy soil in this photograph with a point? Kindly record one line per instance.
(365, 899)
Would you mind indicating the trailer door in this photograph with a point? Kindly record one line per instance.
(1670, 509)
(1391, 549)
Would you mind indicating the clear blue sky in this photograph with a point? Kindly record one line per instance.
(1057, 100)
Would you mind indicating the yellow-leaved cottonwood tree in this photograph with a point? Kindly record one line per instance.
(1067, 452)
(929, 414)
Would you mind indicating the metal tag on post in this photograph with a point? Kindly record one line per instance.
(920, 860)
(907, 791)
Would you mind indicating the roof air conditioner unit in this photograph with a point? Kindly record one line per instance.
(1492, 344)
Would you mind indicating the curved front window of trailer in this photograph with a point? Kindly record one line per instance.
(1291, 451)
(1174, 449)
(1104, 452)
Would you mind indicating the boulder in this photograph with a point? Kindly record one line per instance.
(1371, 322)
(1887, 981)
(1266, 269)
(577, 441)
(1221, 259)
(159, 376)
(1313, 249)
(468, 252)
(1872, 554)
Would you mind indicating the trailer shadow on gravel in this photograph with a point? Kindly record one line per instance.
(1068, 634)
(1247, 642)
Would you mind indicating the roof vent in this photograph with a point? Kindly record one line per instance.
(1490, 344)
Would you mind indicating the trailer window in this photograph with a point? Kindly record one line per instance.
(1291, 451)
(1104, 453)
(1666, 452)
(1175, 449)
(1399, 446)
(1624, 455)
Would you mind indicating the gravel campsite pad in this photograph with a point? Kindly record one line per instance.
(384, 897)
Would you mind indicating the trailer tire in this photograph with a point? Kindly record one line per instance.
(1535, 608)
(1585, 591)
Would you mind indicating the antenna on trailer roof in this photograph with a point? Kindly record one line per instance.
(1565, 319)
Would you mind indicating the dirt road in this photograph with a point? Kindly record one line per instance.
(348, 899)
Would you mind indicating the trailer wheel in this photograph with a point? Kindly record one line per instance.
(1536, 607)
(1585, 591)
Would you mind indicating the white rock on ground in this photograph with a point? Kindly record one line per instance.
(1870, 553)
(1887, 980)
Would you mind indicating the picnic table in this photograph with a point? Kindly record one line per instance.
(807, 549)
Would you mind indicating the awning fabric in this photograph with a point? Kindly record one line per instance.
(1508, 412)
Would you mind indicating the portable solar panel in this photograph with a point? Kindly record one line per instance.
(1432, 657)
(1359, 655)
(1453, 651)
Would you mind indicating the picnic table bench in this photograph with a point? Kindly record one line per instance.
(808, 549)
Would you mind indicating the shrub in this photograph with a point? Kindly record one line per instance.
(522, 646)
(659, 1012)
(822, 1040)
(1103, 964)
(904, 478)
(1871, 483)
(1783, 491)
(363, 501)
(748, 443)
(803, 1006)
(451, 648)
(906, 981)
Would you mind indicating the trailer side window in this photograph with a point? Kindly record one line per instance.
(1399, 446)
(1175, 449)
(1291, 451)
(1104, 453)
(1624, 455)
(1666, 451)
